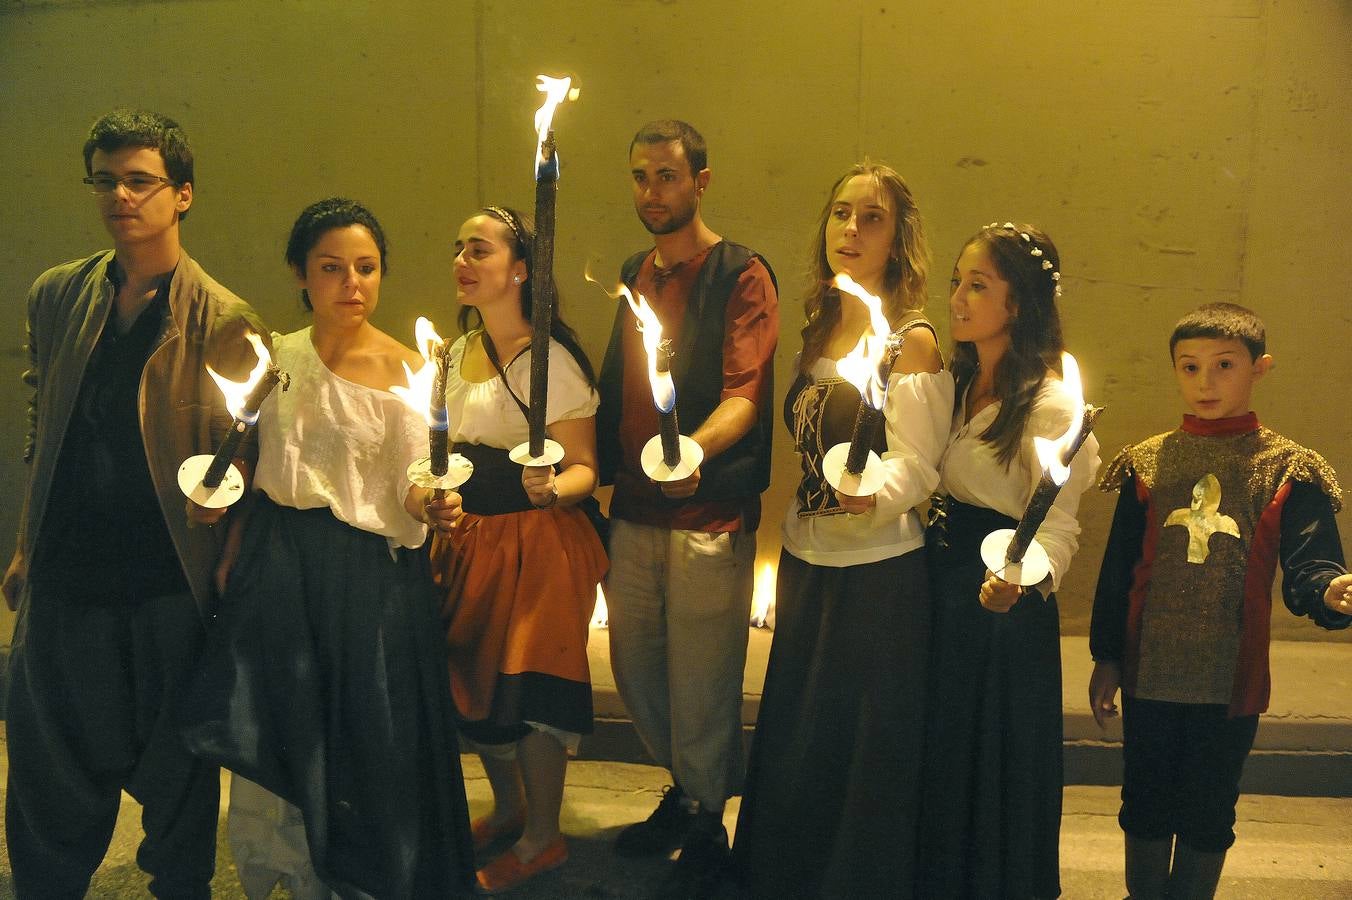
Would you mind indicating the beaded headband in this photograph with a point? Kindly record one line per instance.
(509, 220)
(1034, 250)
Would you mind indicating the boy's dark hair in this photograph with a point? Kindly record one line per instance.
(661, 131)
(1222, 321)
(142, 128)
(318, 219)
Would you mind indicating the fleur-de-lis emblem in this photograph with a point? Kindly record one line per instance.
(1203, 518)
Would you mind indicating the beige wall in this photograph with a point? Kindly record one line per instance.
(1177, 152)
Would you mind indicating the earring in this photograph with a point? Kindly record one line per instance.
(516, 279)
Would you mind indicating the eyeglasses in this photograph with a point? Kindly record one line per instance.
(138, 184)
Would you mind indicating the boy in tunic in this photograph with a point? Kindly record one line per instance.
(1181, 614)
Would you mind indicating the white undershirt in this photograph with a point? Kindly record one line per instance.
(971, 473)
(918, 410)
(327, 441)
(484, 413)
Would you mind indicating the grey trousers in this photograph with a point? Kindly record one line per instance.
(679, 604)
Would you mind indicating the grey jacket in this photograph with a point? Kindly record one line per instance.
(182, 410)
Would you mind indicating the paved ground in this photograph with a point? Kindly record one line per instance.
(1303, 747)
(1288, 847)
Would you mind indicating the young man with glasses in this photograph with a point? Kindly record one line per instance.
(111, 573)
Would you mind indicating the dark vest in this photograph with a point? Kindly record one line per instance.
(697, 370)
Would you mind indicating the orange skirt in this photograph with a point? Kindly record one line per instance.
(520, 588)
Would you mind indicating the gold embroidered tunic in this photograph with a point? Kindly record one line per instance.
(1198, 605)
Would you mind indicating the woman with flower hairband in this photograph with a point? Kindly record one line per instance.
(516, 557)
(991, 796)
(830, 804)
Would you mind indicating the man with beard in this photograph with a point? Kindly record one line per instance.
(682, 552)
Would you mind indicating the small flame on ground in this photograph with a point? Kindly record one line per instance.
(763, 598)
(860, 366)
(762, 603)
(556, 90)
(237, 392)
(1049, 451)
(601, 615)
(417, 393)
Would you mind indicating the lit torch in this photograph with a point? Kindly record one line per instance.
(669, 455)
(853, 468)
(425, 394)
(1015, 554)
(212, 481)
(539, 451)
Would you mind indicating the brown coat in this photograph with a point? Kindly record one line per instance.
(182, 410)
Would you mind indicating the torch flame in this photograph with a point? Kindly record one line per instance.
(556, 90)
(860, 366)
(418, 391)
(237, 392)
(763, 598)
(601, 613)
(1049, 452)
(664, 389)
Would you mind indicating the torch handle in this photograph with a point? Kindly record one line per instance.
(438, 450)
(542, 298)
(867, 419)
(1044, 495)
(670, 430)
(224, 454)
(861, 441)
(1091, 414)
(260, 392)
(438, 444)
(240, 426)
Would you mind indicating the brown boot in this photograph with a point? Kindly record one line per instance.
(1195, 874)
(1148, 867)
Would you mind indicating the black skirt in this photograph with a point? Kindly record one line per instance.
(829, 808)
(991, 800)
(324, 681)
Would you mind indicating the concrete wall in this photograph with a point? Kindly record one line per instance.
(1177, 152)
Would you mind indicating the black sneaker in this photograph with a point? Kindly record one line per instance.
(660, 833)
(698, 872)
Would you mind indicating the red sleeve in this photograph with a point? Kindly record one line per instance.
(750, 335)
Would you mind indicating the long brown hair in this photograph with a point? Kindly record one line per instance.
(903, 279)
(1035, 341)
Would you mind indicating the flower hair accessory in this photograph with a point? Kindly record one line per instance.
(1033, 250)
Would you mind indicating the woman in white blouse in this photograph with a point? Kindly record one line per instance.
(991, 802)
(829, 808)
(324, 682)
(517, 558)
